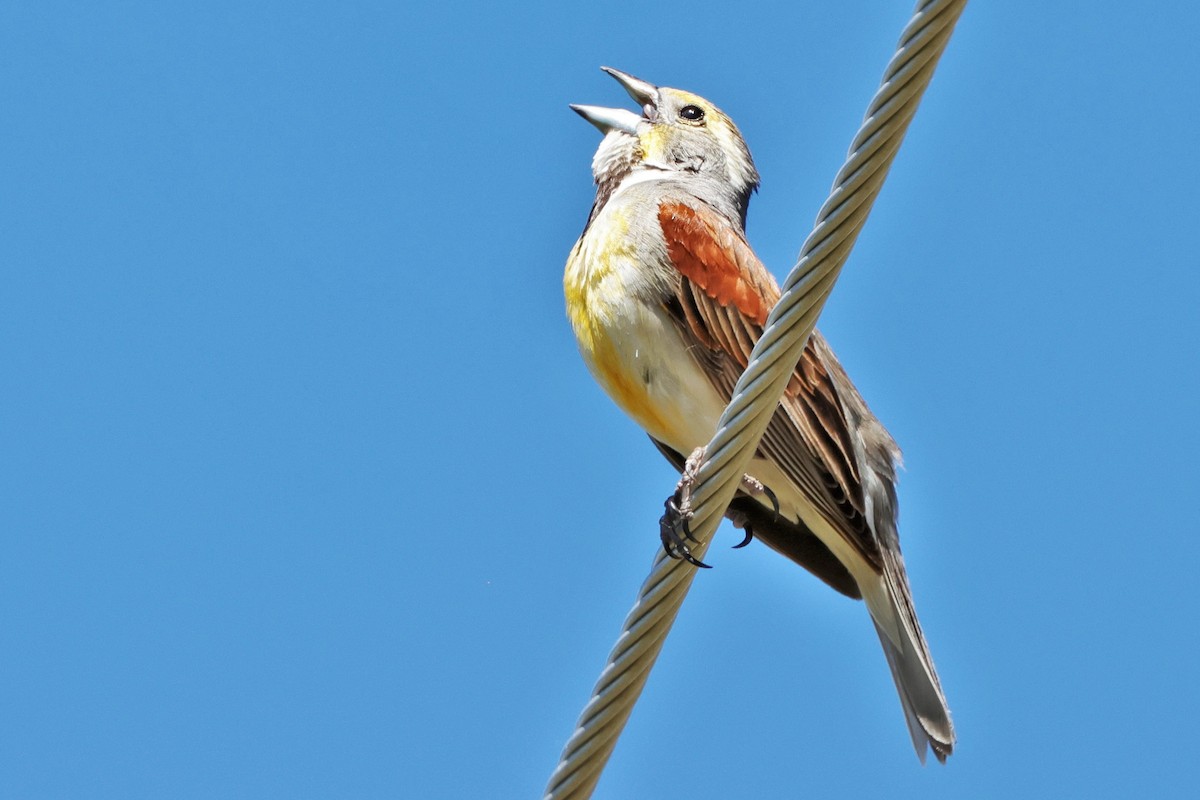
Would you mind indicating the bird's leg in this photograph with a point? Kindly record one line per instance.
(674, 526)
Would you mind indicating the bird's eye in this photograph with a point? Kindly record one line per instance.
(691, 113)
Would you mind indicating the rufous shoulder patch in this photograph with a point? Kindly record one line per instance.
(713, 256)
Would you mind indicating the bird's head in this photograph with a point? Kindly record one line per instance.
(678, 136)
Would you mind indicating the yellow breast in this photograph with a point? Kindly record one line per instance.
(633, 349)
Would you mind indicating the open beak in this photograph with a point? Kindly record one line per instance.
(609, 119)
(643, 93)
(618, 119)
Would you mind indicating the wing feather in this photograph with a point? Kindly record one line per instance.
(726, 294)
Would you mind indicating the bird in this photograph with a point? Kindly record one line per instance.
(666, 299)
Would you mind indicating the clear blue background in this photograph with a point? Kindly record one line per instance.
(306, 492)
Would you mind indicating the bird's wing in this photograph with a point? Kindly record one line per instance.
(724, 295)
(823, 437)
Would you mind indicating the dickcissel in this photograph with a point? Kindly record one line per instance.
(667, 299)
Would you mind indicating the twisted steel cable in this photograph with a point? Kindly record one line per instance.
(757, 393)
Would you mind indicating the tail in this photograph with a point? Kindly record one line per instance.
(925, 708)
(886, 593)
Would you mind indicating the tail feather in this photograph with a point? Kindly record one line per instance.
(925, 712)
(925, 707)
(886, 591)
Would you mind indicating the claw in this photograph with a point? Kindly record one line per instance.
(749, 537)
(739, 520)
(669, 548)
(673, 529)
(685, 525)
(774, 500)
(756, 488)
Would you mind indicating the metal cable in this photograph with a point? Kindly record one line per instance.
(757, 393)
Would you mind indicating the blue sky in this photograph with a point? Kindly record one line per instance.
(307, 493)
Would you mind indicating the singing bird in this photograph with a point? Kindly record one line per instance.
(666, 299)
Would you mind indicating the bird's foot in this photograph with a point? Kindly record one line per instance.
(674, 525)
(742, 523)
(756, 488)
